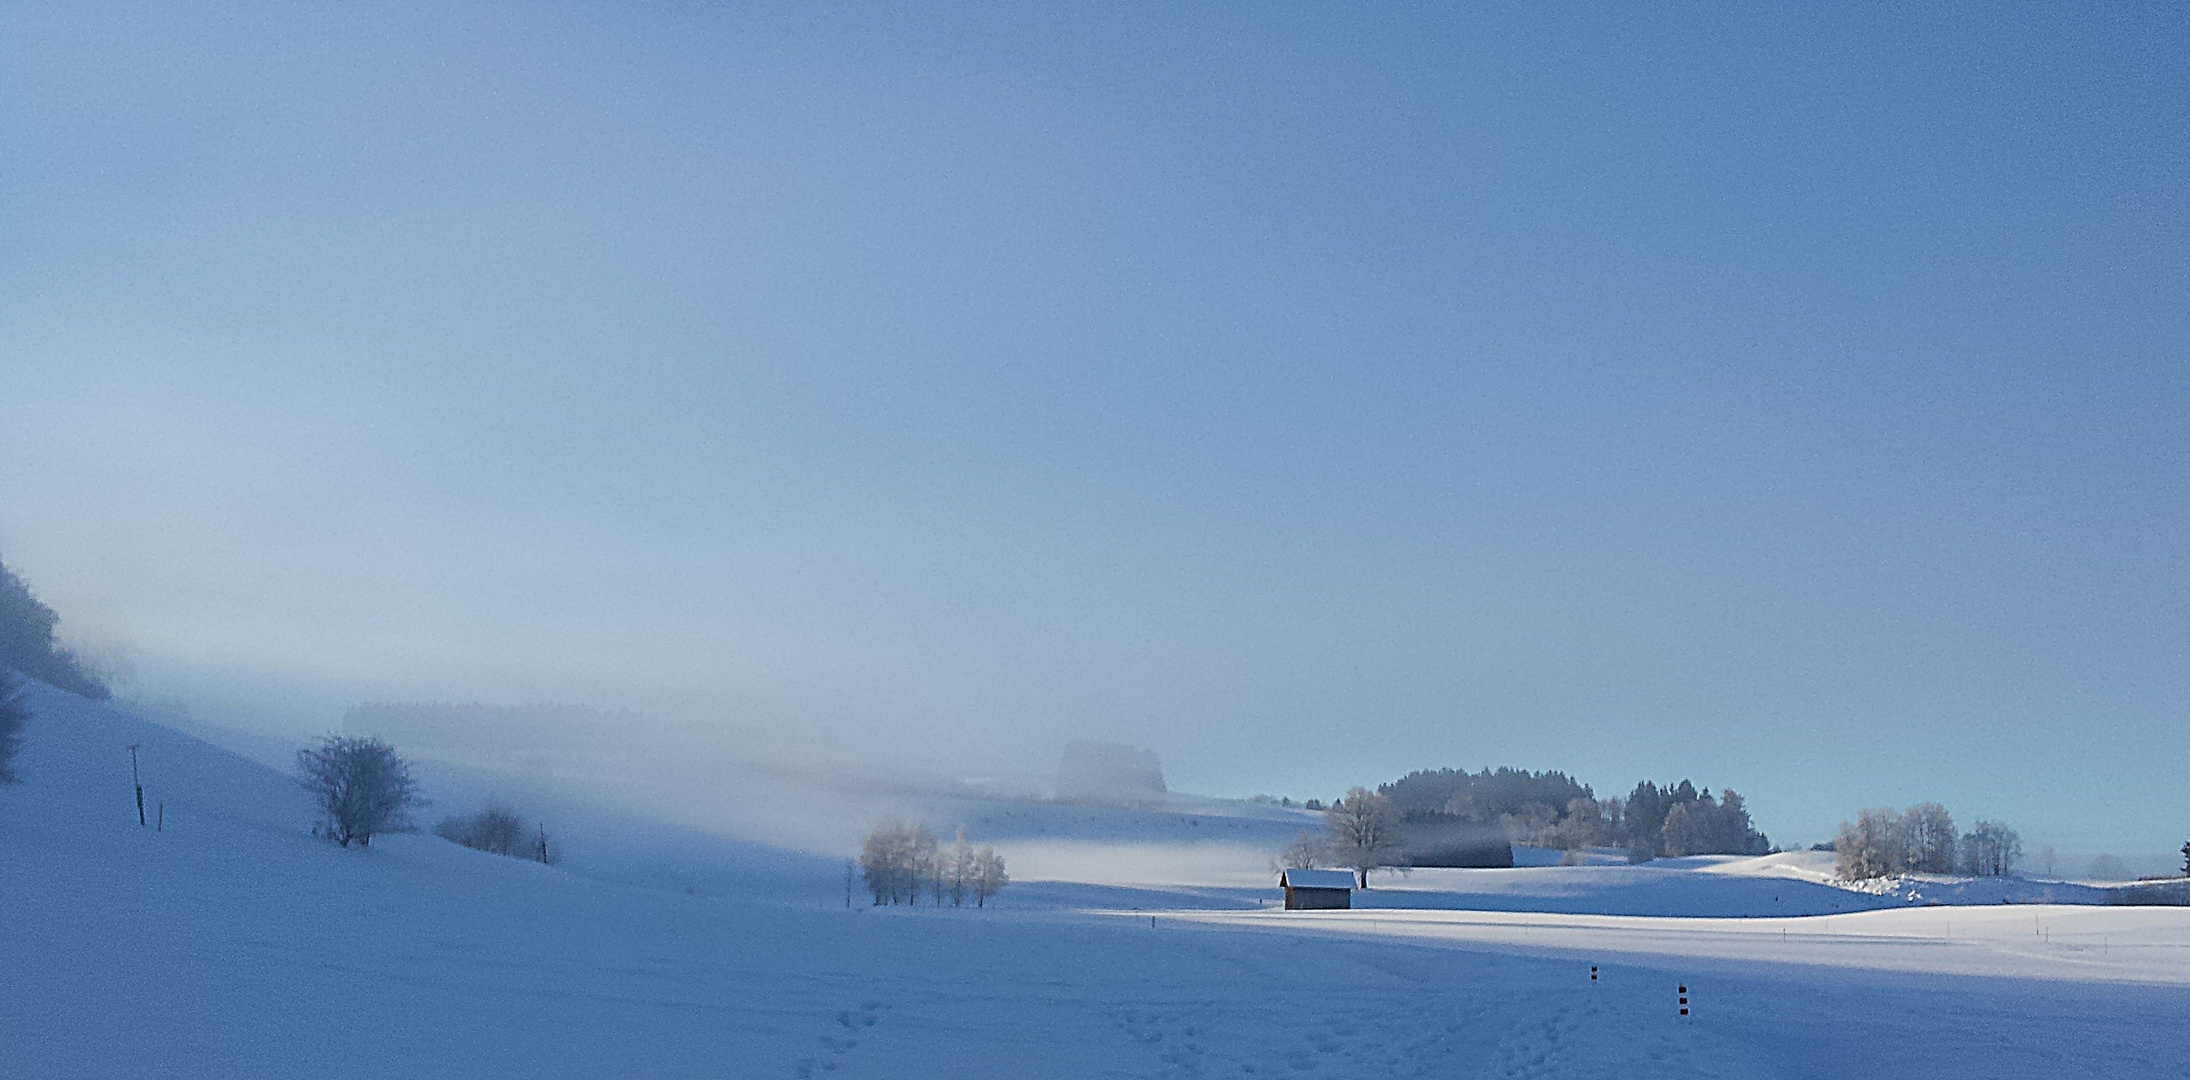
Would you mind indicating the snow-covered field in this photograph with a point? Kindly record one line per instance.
(232, 944)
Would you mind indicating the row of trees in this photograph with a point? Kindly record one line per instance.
(1922, 839)
(1368, 829)
(899, 860)
(1528, 800)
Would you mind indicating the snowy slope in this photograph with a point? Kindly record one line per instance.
(233, 945)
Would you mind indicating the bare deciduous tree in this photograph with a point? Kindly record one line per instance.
(361, 785)
(1307, 852)
(1991, 849)
(1364, 832)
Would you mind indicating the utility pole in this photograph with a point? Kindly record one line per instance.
(138, 784)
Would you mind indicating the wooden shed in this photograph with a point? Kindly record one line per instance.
(1317, 890)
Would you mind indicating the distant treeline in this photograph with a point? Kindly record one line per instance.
(1552, 809)
(27, 644)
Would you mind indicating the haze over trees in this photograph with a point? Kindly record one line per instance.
(1109, 774)
(362, 787)
(1551, 809)
(1306, 852)
(1525, 802)
(27, 644)
(1883, 842)
(497, 831)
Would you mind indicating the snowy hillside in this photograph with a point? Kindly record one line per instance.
(232, 944)
(1188, 852)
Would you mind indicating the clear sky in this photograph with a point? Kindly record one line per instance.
(1796, 399)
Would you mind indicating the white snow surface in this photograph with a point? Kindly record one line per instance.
(233, 944)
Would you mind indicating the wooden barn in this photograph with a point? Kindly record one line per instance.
(1317, 890)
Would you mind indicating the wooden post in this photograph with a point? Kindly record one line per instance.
(162, 826)
(138, 784)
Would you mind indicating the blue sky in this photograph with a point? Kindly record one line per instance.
(1787, 399)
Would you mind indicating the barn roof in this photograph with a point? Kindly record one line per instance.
(1319, 879)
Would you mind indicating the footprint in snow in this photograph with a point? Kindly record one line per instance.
(849, 1020)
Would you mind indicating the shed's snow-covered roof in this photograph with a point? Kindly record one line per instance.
(1320, 879)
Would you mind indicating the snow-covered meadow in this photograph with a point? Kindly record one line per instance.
(232, 944)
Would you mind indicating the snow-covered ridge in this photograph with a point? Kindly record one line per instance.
(1928, 889)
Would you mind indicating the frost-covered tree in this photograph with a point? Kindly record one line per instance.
(1586, 824)
(1307, 852)
(896, 859)
(1364, 832)
(1884, 842)
(1872, 846)
(1931, 838)
(988, 876)
(959, 868)
(362, 787)
(2186, 858)
(13, 715)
